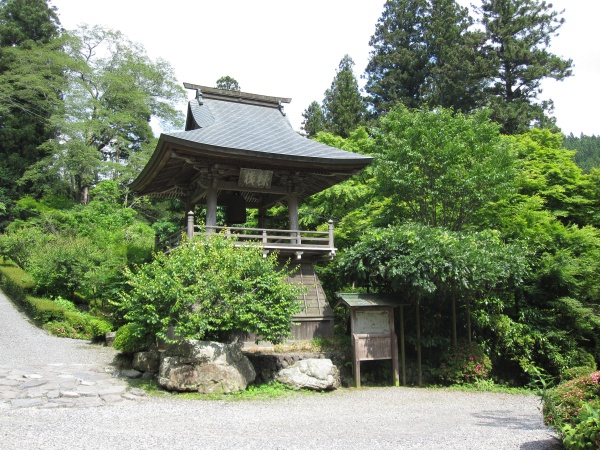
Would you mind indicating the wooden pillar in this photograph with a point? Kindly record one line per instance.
(211, 209)
(419, 367)
(402, 348)
(454, 337)
(293, 213)
(468, 320)
(262, 220)
(190, 225)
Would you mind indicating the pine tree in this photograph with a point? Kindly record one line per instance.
(314, 119)
(343, 105)
(518, 36)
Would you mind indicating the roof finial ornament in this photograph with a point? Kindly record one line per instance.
(199, 96)
(281, 108)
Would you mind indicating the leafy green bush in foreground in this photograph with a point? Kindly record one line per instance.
(573, 407)
(208, 288)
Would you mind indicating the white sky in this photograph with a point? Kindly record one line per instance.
(292, 48)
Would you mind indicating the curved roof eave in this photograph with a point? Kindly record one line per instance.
(168, 143)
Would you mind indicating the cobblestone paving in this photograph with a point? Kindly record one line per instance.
(43, 371)
(62, 385)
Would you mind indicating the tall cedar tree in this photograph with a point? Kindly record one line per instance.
(423, 55)
(31, 79)
(398, 65)
(343, 104)
(456, 65)
(314, 119)
(518, 36)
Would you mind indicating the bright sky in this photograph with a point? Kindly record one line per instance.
(292, 48)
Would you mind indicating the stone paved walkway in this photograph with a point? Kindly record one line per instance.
(39, 370)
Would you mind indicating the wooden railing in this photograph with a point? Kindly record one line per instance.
(286, 242)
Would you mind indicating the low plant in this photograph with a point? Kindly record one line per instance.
(572, 409)
(131, 338)
(586, 434)
(468, 363)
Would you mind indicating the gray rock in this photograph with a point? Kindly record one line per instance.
(315, 374)
(132, 373)
(206, 367)
(109, 337)
(146, 361)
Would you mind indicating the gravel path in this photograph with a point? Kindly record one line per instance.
(374, 418)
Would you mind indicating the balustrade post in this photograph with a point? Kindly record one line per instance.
(190, 225)
(330, 223)
(264, 237)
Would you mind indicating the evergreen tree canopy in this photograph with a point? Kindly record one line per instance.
(518, 36)
(314, 119)
(343, 104)
(22, 20)
(32, 66)
(425, 56)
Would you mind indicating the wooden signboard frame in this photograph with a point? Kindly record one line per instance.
(373, 338)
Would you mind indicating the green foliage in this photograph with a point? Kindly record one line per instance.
(15, 282)
(572, 409)
(586, 434)
(587, 149)
(208, 288)
(132, 337)
(440, 168)
(98, 327)
(424, 55)
(314, 119)
(518, 36)
(45, 310)
(228, 83)
(343, 105)
(467, 364)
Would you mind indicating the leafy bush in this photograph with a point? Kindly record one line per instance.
(99, 327)
(131, 338)
(45, 310)
(564, 404)
(467, 364)
(208, 288)
(15, 282)
(586, 434)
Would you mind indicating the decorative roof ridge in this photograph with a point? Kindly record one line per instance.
(238, 96)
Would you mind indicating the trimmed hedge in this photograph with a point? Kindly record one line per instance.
(60, 318)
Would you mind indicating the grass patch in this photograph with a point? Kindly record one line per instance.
(485, 386)
(267, 391)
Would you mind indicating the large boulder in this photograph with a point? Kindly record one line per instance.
(146, 361)
(315, 374)
(206, 367)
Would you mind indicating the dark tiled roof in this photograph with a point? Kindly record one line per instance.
(258, 129)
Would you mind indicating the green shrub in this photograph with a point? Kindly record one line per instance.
(44, 310)
(207, 288)
(467, 364)
(15, 282)
(131, 338)
(586, 434)
(564, 404)
(99, 327)
(576, 372)
(61, 329)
